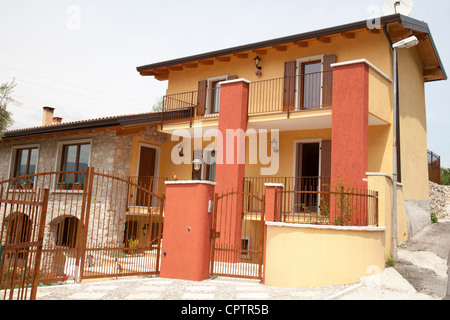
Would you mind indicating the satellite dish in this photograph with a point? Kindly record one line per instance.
(403, 7)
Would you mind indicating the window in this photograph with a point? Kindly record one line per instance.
(213, 94)
(311, 84)
(308, 83)
(24, 163)
(75, 157)
(66, 232)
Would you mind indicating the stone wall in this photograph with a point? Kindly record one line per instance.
(110, 152)
(438, 199)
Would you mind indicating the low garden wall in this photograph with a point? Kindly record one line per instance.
(314, 256)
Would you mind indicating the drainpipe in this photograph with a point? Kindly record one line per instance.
(395, 142)
(406, 43)
(394, 157)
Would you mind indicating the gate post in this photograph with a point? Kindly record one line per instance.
(273, 213)
(187, 226)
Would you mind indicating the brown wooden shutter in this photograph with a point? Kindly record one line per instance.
(327, 90)
(290, 69)
(201, 97)
(325, 176)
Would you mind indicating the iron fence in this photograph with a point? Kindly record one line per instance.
(434, 167)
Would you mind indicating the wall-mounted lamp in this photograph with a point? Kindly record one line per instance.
(197, 165)
(257, 62)
(180, 150)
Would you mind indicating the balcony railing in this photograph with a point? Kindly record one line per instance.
(191, 106)
(314, 200)
(288, 94)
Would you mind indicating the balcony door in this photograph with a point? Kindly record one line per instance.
(312, 168)
(147, 170)
(308, 83)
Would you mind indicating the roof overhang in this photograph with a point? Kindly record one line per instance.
(124, 123)
(396, 27)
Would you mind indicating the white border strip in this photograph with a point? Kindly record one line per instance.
(235, 80)
(190, 182)
(323, 227)
(269, 184)
(346, 63)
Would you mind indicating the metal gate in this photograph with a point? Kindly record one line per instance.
(21, 245)
(238, 235)
(97, 224)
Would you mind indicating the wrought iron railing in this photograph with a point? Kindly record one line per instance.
(288, 94)
(434, 167)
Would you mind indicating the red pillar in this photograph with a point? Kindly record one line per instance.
(350, 118)
(230, 158)
(187, 224)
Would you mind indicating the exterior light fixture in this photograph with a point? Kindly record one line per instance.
(403, 44)
(180, 150)
(197, 165)
(257, 62)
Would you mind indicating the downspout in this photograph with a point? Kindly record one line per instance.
(396, 143)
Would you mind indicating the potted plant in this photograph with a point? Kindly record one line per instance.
(27, 185)
(78, 186)
(61, 186)
(16, 185)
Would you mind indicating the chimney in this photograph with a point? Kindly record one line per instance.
(57, 120)
(47, 117)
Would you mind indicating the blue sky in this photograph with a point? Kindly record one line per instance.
(80, 57)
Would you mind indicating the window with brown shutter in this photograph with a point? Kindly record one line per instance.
(290, 69)
(201, 97)
(327, 90)
(312, 78)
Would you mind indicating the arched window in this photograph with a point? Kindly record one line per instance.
(66, 232)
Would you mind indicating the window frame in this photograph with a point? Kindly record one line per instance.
(60, 155)
(299, 94)
(210, 95)
(14, 159)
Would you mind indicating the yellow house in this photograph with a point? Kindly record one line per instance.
(314, 113)
(297, 136)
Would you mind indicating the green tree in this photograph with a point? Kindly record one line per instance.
(158, 105)
(445, 177)
(6, 90)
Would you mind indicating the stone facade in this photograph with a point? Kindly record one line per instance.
(438, 200)
(110, 152)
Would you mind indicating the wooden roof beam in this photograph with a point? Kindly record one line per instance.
(348, 35)
(302, 44)
(324, 39)
(224, 59)
(241, 55)
(280, 47)
(208, 62)
(190, 65)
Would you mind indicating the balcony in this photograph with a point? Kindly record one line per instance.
(309, 91)
(283, 96)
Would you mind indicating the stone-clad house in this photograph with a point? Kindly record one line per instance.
(110, 145)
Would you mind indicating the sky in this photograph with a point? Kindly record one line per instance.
(80, 56)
